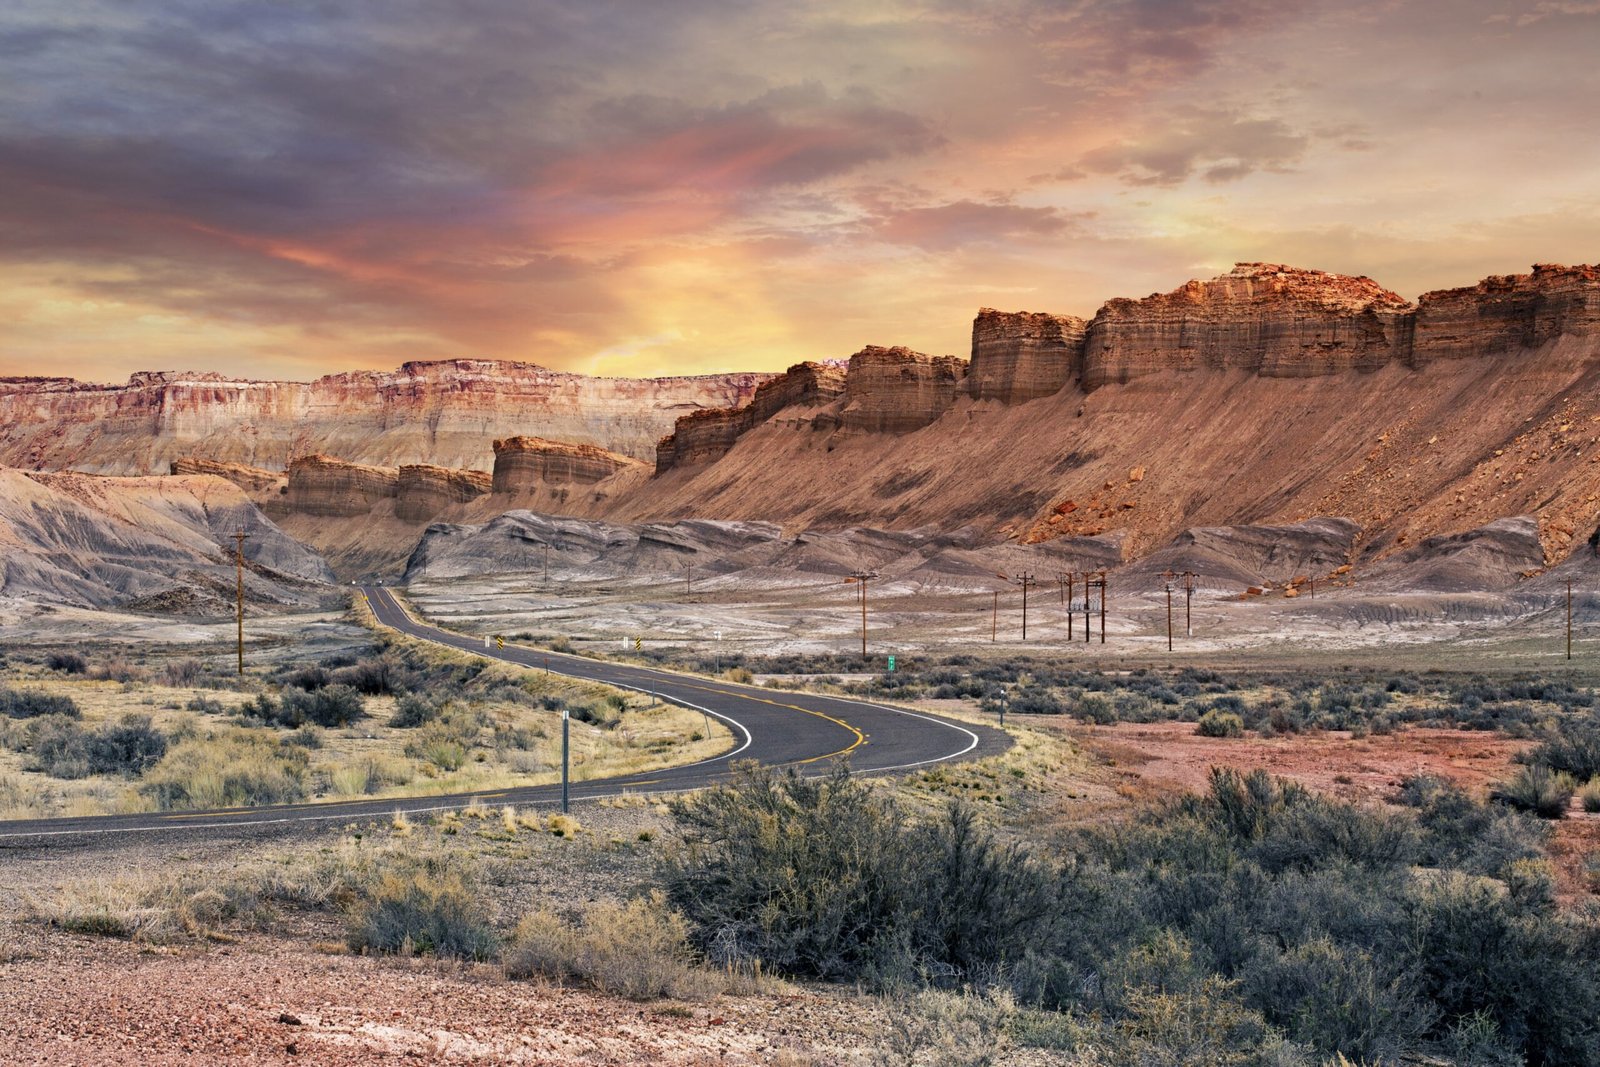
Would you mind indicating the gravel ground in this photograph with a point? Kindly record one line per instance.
(80, 1000)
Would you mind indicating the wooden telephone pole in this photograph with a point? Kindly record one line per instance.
(1169, 575)
(1569, 618)
(1026, 580)
(1097, 582)
(863, 578)
(239, 537)
(1188, 602)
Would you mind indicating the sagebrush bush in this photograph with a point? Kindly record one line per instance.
(1215, 723)
(413, 710)
(638, 950)
(61, 748)
(426, 910)
(31, 703)
(1572, 747)
(66, 662)
(1538, 789)
(827, 877)
(1590, 796)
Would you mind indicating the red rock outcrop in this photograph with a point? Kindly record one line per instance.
(704, 436)
(322, 485)
(1022, 355)
(422, 490)
(1506, 312)
(896, 390)
(444, 413)
(1277, 321)
(252, 480)
(527, 464)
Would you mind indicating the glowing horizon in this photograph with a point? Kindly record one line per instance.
(644, 190)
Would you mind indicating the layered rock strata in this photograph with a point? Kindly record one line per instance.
(423, 491)
(322, 485)
(896, 390)
(1272, 320)
(252, 480)
(1023, 355)
(1505, 312)
(527, 464)
(444, 412)
(704, 436)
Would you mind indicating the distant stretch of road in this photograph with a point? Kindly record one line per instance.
(774, 727)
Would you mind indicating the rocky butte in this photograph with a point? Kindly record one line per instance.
(445, 413)
(1265, 397)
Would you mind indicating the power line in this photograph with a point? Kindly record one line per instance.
(862, 578)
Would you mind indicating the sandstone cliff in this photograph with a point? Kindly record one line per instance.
(1263, 398)
(1022, 355)
(525, 464)
(1508, 312)
(703, 436)
(896, 390)
(1269, 319)
(445, 413)
(252, 480)
(322, 485)
(423, 491)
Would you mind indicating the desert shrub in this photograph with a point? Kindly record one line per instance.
(227, 769)
(1216, 723)
(949, 1029)
(412, 711)
(1538, 789)
(826, 877)
(61, 748)
(426, 910)
(183, 672)
(374, 676)
(307, 678)
(1459, 832)
(118, 669)
(1035, 700)
(739, 674)
(31, 703)
(1590, 796)
(1572, 746)
(638, 950)
(66, 662)
(328, 706)
(1095, 708)
(205, 706)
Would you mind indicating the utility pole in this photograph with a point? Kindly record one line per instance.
(547, 563)
(1026, 580)
(1088, 608)
(994, 619)
(239, 537)
(688, 579)
(862, 578)
(1169, 575)
(1188, 601)
(1100, 583)
(1569, 618)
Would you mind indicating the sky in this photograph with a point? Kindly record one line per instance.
(290, 188)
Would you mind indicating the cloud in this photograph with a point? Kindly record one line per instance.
(966, 222)
(1216, 145)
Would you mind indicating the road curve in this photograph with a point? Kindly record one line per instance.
(774, 727)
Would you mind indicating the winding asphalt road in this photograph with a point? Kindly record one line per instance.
(774, 727)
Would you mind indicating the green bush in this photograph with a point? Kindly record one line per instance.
(32, 703)
(828, 878)
(329, 706)
(1216, 723)
(1538, 789)
(412, 711)
(1573, 747)
(61, 748)
(428, 910)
